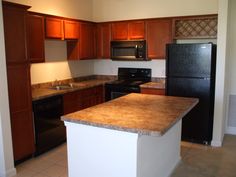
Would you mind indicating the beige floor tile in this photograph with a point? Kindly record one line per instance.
(197, 161)
(55, 171)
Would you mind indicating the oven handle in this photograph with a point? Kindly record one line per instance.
(136, 51)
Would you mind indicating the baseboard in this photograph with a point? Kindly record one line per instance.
(175, 166)
(231, 130)
(216, 143)
(9, 173)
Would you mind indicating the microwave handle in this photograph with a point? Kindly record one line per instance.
(136, 51)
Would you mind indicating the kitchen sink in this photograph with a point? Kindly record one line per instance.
(63, 87)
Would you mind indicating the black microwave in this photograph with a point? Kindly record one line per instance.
(128, 50)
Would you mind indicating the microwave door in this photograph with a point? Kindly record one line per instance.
(126, 53)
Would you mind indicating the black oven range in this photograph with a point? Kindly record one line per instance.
(129, 81)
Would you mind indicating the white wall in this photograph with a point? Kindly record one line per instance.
(109, 67)
(232, 46)
(110, 10)
(231, 78)
(56, 65)
(6, 152)
(221, 100)
(79, 9)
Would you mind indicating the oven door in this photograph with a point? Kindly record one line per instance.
(115, 91)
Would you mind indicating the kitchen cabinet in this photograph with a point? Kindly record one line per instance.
(81, 99)
(120, 31)
(131, 30)
(18, 77)
(54, 28)
(57, 28)
(136, 30)
(35, 32)
(85, 47)
(70, 102)
(153, 91)
(158, 34)
(103, 40)
(87, 41)
(71, 29)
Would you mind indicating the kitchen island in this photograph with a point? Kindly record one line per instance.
(136, 135)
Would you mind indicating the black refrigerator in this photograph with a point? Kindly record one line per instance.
(190, 72)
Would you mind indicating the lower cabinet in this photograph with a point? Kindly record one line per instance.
(81, 99)
(153, 91)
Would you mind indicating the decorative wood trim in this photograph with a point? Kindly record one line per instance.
(195, 27)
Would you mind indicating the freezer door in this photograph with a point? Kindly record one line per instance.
(197, 124)
(190, 60)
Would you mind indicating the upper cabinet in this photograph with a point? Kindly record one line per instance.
(54, 28)
(128, 30)
(103, 37)
(57, 28)
(35, 34)
(84, 48)
(120, 31)
(71, 29)
(136, 30)
(87, 41)
(158, 34)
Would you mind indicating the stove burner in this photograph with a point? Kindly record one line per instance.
(129, 80)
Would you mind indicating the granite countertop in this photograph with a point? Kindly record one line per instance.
(154, 85)
(40, 93)
(138, 113)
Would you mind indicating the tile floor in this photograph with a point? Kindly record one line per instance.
(197, 161)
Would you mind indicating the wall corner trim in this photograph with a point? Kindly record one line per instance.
(216, 143)
(9, 173)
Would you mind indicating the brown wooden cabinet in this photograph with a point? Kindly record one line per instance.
(153, 91)
(35, 32)
(128, 30)
(58, 28)
(158, 34)
(87, 41)
(103, 40)
(71, 29)
(70, 102)
(85, 47)
(54, 28)
(18, 76)
(120, 31)
(81, 99)
(136, 30)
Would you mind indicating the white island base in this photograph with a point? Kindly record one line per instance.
(102, 152)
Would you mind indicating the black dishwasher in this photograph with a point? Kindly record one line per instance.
(49, 129)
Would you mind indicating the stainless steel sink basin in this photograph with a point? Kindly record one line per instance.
(63, 87)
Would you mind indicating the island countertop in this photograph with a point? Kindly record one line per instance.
(138, 113)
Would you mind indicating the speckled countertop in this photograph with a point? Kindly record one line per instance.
(154, 85)
(139, 113)
(40, 93)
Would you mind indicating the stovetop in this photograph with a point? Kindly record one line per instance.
(128, 82)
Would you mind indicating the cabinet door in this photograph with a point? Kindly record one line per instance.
(54, 28)
(153, 91)
(120, 31)
(87, 41)
(103, 40)
(21, 110)
(35, 45)
(158, 34)
(136, 30)
(70, 102)
(18, 77)
(71, 29)
(15, 34)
